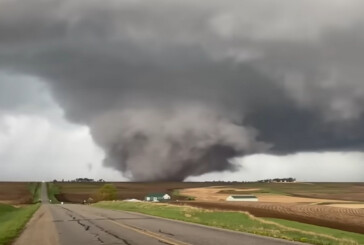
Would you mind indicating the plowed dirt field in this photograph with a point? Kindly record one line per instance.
(214, 194)
(15, 193)
(347, 219)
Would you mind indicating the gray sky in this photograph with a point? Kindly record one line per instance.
(161, 90)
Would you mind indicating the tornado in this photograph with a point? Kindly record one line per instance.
(177, 89)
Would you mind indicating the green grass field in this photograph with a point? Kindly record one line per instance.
(34, 189)
(4, 209)
(13, 220)
(176, 195)
(319, 229)
(240, 221)
(53, 190)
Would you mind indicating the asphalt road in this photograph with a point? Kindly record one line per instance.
(83, 224)
(43, 194)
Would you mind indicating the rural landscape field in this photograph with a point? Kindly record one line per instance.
(315, 213)
(18, 202)
(183, 122)
(335, 205)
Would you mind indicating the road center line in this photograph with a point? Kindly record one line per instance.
(150, 234)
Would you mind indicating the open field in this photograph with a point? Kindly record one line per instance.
(348, 205)
(77, 192)
(292, 201)
(18, 192)
(221, 193)
(347, 219)
(309, 192)
(269, 192)
(240, 221)
(14, 218)
(331, 191)
(12, 221)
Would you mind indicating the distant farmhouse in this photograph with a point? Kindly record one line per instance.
(242, 198)
(157, 197)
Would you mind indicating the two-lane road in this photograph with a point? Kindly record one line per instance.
(83, 224)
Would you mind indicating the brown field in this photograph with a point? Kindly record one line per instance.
(214, 194)
(15, 193)
(347, 219)
(347, 205)
(331, 191)
(292, 201)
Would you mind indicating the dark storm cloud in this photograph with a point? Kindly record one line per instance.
(22, 94)
(174, 89)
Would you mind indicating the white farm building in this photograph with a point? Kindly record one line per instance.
(242, 198)
(157, 197)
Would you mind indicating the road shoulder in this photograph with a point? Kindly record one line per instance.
(40, 230)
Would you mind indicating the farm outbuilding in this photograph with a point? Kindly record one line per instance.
(157, 197)
(242, 198)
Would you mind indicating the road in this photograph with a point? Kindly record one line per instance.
(43, 194)
(70, 224)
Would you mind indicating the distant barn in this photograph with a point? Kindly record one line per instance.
(157, 197)
(242, 198)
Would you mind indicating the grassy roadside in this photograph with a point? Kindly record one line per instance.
(239, 221)
(53, 190)
(319, 229)
(13, 220)
(34, 189)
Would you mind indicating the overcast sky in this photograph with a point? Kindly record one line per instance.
(182, 90)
